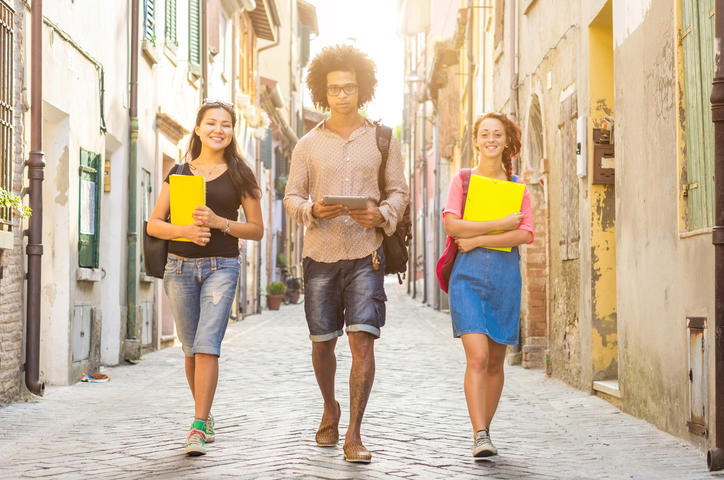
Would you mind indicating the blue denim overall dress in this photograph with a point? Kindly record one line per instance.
(484, 294)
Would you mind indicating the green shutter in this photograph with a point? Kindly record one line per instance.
(171, 38)
(698, 44)
(149, 20)
(266, 149)
(89, 198)
(195, 36)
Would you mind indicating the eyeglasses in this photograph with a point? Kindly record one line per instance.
(214, 101)
(348, 89)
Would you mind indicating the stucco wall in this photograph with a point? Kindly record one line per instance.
(662, 278)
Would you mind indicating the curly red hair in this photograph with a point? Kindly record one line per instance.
(512, 133)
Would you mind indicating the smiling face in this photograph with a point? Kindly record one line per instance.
(491, 139)
(340, 101)
(215, 129)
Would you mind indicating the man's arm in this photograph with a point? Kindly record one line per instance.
(296, 196)
(397, 193)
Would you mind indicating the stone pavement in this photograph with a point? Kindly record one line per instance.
(267, 409)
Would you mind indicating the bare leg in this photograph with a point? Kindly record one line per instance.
(494, 378)
(476, 355)
(325, 367)
(190, 367)
(205, 378)
(361, 376)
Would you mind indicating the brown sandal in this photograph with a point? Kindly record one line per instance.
(328, 433)
(356, 453)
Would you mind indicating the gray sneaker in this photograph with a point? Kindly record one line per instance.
(483, 446)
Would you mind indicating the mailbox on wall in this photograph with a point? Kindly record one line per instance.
(604, 160)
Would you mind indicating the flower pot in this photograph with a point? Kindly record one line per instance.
(294, 295)
(274, 301)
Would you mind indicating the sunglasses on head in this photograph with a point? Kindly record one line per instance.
(214, 101)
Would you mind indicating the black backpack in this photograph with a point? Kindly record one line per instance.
(395, 246)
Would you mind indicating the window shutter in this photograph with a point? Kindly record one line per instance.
(171, 38)
(149, 20)
(697, 41)
(266, 149)
(305, 35)
(89, 209)
(195, 36)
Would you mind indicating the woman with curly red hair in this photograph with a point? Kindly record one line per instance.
(485, 284)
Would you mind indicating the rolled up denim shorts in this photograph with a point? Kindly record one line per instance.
(347, 292)
(200, 292)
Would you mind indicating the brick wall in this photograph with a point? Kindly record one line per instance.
(11, 285)
(534, 322)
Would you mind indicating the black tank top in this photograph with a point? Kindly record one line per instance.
(224, 199)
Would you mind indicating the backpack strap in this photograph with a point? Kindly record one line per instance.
(384, 136)
(465, 175)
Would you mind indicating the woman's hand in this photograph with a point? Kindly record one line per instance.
(208, 218)
(198, 233)
(466, 244)
(511, 222)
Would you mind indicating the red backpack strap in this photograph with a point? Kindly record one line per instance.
(465, 175)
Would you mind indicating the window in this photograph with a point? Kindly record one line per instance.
(170, 31)
(146, 192)
(697, 38)
(149, 21)
(195, 37)
(6, 104)
(89, 199)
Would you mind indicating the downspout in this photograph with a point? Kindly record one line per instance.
(204, 52)
(131, 280)
(514, 60)
(423, 165)
(36, 166)
(468, 160)
(715, 456)
(438, 220)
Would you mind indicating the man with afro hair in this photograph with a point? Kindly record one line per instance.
(343, 258)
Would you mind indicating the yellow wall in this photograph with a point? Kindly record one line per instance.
(603, 205)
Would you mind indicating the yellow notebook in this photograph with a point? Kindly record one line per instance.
(492, 199)
(187, 193)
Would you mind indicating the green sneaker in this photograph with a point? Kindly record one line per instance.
(210, 432)
(195, 442)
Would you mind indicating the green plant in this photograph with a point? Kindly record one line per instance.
(281, 183)
(276, 288)
(15, 203)
(282, 260)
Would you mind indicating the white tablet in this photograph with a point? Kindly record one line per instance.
(351, 202)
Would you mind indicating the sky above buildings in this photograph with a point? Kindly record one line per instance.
(371, 26)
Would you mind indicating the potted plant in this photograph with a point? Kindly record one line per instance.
(275, 294)
(294, 289)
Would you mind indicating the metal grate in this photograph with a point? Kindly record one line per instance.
(6, 103)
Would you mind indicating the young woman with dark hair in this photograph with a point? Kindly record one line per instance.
(201, 275)
(485, 284)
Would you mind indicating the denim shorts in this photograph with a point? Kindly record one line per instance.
(347, 292)
(200, 292)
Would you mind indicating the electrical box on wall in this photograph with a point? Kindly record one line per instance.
(604, 159)
(581, 150)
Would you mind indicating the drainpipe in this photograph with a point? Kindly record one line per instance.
(423, 165)
(36, 166)
(204, 52)
(438, 219)
(514, 60)
(715, 456)
(468, 160)
(131, 279)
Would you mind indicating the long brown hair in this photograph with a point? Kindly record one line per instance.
(513, 135)
(241, 175)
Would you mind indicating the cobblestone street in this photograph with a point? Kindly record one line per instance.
(267, 409)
